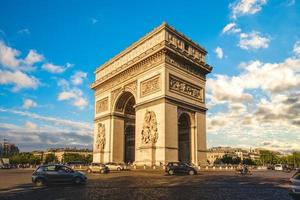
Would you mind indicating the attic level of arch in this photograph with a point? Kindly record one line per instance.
(163, 39)
(170, 57)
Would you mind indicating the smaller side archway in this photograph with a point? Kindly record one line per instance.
(184, 138)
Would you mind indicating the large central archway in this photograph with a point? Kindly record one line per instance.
(125, 105)
(184, 138)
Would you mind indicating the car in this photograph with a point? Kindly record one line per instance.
(295, 185)
(180, 168)
(57, 174)
(97, 167)
(115, 166)
(278, 167)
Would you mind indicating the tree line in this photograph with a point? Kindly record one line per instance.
(266, 158)
(28, 158)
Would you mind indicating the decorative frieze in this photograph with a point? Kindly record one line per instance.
(149, 132)
(102, 105)
(138, 68)
(183, 87)
(100, 139)
(151, 85)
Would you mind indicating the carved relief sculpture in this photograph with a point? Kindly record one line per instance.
(178, 85)
(149, 132)
(100, 141)
(132, 87)
(102, 105)
(150, 86)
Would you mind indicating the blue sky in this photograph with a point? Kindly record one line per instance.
(50, 49)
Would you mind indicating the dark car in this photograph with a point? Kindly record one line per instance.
(57, 174)
(180, 168)
(295, 185)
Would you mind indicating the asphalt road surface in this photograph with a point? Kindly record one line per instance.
(267, 185)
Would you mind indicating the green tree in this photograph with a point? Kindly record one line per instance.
(228, 159)
(50, 158)
(25, 158)
(89, 159)
(268, 158)
(248, 161)
(71, 157)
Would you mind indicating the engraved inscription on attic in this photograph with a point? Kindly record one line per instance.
(183, 87)
(150, 86)
(102, 105)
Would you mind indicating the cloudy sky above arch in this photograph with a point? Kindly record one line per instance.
(48, 55)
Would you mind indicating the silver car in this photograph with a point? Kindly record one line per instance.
(295, 185)
(97, 167)
(115, 166)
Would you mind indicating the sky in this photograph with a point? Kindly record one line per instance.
(49, 51)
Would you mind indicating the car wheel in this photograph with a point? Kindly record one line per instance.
(171, 172)
(78, 180)
(39, 182)
(119, 169)
(191, 172)
(89, 171)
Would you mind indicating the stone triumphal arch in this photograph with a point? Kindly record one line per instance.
(150, 102)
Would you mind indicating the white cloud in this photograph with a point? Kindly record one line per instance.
(78, 77)
(261, 103)
(73, 125)
(18, 79)
(30, 125)
(224, 88)
(8, 56)
(66, 96)
(74, 95)
(246, 7)
(253, 40)
(94, 20)
(46, 131)
(290, 2)
(219, 52)
(231, 28)
(80, 102)
(24, 31)
(56, 69)
(28, 103)
(33, 57)
(296, 49)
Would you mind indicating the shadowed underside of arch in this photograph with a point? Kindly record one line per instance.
(125, 104)
(184, 138)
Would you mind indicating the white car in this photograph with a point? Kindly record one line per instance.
(295, 185)
(278, 167)
(115, 166)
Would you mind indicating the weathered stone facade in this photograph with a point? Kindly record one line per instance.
(141, 96)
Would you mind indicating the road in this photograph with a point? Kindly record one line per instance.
(266, 185)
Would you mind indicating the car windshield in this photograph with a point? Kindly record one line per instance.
(296, 176)
(40, 169)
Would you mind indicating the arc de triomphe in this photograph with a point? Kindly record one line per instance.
(150, 102)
